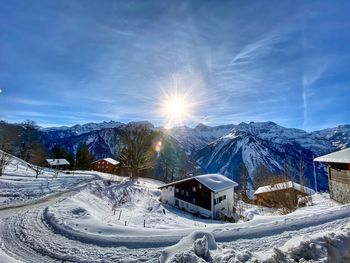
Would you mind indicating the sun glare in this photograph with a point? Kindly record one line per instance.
(176, 110)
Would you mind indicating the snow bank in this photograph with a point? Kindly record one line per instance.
(192, 249)
(332, 246)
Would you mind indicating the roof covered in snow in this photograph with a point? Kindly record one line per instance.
(110, 160)
(215, 182)
(55, 162)
(283, 186)
(342, 156)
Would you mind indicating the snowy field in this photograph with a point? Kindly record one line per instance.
(84, 218)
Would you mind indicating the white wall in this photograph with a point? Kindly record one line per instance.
(227, 203)
(167, 195)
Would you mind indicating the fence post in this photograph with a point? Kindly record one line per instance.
(144, 223)
(120, 214)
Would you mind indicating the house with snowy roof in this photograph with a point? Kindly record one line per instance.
(106, 165)
(338, 164)
(58, 164)
(277, 195)
(209, 195)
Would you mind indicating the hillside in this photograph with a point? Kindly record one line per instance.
(83, 218)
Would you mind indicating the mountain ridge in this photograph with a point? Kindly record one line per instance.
(222, 148)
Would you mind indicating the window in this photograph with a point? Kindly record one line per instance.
(182, 191)
(199, 186)
(219, 199)
(176, 190)
(186, 193)
(176, 202)
(194, 189)
(193, 200)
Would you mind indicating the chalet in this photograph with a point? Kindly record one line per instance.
(209, 195)
(338, 174)
(58, 164)
(106, 165)
(280, 194)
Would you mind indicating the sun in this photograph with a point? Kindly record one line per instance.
(176, 109)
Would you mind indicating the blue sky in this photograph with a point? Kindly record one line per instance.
(67, 62)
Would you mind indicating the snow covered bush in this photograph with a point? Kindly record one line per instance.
(201, 248)
(327, 247)
(194, 248)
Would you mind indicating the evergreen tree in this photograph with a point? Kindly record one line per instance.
(83, 158)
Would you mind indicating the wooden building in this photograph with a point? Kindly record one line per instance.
(209, 195)
(58, 164)
(338, 174)
(285, 194)
(106, 165)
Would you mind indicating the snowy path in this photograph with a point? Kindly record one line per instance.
(26, 236)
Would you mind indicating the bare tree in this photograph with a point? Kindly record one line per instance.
(138, 153)
(287, 168)
(301, 171)
(243, 176)
(262, 175)
(37, 157)
(5, 159)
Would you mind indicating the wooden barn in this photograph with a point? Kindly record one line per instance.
(106, 165)
(58, 164)
(209, 195)
(285, 194)
(338, 174)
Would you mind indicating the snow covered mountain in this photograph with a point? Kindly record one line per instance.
(215, 149)
(230, 152)
(338, 136)
(65, 131)
(260, 143)
(193, 139)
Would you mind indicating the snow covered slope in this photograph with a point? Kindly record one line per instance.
(193, 139)
(338, 136)
(227, 154)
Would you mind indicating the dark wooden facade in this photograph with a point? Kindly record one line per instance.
(280, 198)
(104, 166)
(193, 192)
